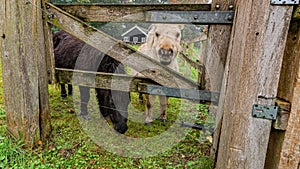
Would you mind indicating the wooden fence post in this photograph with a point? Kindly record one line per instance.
(284, 146)
(251, 74)
(24, 74)
(214, 61)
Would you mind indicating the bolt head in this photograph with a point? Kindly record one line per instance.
(230, 17)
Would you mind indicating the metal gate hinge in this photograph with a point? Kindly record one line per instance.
(265, 112)
(284, 2)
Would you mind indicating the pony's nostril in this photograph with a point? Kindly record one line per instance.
(166, 52)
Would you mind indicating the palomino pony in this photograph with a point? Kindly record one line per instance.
(163, 45)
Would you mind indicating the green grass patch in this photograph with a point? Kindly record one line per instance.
(75, 143)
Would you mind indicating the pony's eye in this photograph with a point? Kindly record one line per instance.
(177, 35)
(157, 34)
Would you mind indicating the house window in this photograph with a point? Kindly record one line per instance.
(135, 40)
(143, 39)
(126, 39)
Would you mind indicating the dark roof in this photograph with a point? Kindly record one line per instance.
(140, 29)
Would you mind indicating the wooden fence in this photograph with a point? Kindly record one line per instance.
(252, 61)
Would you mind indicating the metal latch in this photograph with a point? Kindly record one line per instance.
(284, 2)
(265, 112)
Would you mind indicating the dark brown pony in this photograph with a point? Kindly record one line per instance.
(71, 53)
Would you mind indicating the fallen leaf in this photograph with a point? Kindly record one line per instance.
(120, 152)
(42, 160)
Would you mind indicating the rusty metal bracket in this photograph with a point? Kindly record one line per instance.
(265, 112)
(284, 2)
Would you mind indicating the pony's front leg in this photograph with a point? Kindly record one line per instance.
(63, 92)
(84, 100)
(149, 108)
(163, 107)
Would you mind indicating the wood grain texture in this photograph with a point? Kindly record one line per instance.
(119, 50)
(284, 109)
(102, 80)
(2, 22)
(214, 64)
(283, 150)
(252, 70)
(50, 61)
(290, 153)
(290, 63)
(25, 92)
(124, 12)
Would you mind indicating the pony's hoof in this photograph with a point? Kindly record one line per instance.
(63, 96)
(148, 123)
(84, 115)
(163, 120)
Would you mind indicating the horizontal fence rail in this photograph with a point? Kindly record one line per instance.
(102, 80)
(129, 83)
(154, 13)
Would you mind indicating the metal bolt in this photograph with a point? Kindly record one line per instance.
(230, 7)
(195, 17)
(218, 6)
(50, 16)
(230, 18)
(164, 17)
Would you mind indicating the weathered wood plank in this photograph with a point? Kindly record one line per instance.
(290, 153)
(214, 60)
(129, 83)
(284, 109)
(283, 150)
(252, 70)
(123, 12)
(119, 50)
(2, 23)
(124, 2)
(23, 78)
(102, 80)
(50, 61)
(290, 64)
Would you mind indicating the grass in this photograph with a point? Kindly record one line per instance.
(75, 143)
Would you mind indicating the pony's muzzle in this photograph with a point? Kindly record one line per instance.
(121, 127)
(166, 56)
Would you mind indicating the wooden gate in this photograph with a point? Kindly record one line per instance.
(242, 60)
